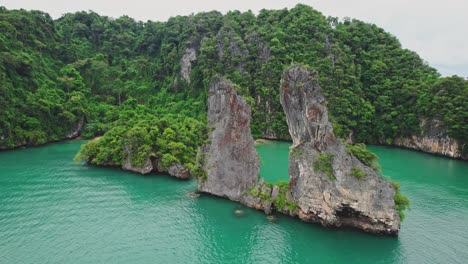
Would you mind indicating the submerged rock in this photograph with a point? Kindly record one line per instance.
(193, 195)
(230, 160)
(239, 212)
(321, 169)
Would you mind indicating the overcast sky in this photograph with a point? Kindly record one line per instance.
(436, 30)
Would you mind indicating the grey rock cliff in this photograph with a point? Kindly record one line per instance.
(434, 140)
(179, 171)
(230, 160)
(77, 131)
(146, 168)
(190, 55)
(334, 198)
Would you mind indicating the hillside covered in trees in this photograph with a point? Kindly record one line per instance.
(127, 79)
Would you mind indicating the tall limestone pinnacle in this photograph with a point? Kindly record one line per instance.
(328, 185)
(229, 160)
(322, 173)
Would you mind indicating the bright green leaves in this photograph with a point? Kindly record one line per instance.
(324, 165)
(401, 202)
(367, 157)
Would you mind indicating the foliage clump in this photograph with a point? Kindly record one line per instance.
(197, 170)
(401, 201)
(281, 201)
(148, 137)
(255, 191)
(367, 157)
(324, 164)
(358, 173)
(296, 152)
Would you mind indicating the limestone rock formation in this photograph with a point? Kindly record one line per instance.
(77, 131)
(229, 159)
(321, 169)
(127, 163)
(190, 55)
(435, 140)
(269, 198)
(179, 171)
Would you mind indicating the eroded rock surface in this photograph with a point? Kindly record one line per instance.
(434, 140)
(230, 160)
(321, 169)
(127, 164)
(77, 131)
(179, 171)
(190, 55)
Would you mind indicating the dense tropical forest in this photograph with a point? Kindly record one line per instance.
(145, 83)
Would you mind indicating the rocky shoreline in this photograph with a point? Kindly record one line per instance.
(323, 188)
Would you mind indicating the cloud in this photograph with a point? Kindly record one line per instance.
(436, 30)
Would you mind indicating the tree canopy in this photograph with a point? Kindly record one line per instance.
(121, 75)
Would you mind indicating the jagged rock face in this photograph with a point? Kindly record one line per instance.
(190, 55)
(227, 44)
(127, 163)
(230, 160)
(332, 197)
(77, 131)
(179, 171)
(263, 51)
(305, 109)
(435, 140)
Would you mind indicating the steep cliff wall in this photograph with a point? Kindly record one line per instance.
(230, 160)
(328, 185)
(190, 55)
(331, 186)
(434, 139)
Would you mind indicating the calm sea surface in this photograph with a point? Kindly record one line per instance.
(53, 210)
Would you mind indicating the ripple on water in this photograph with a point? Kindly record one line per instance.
(53, 210)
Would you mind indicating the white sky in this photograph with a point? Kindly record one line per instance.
(436, 30)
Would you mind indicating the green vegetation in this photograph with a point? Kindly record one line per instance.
(147, 136)
(324, 164)
(447, 101)
(281, 201)
(255, 191)
(358, 173)
(197, 170)
(83, 66)
(296, 153)
(367, 157)
(401, 202)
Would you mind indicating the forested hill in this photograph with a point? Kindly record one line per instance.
(121, 74)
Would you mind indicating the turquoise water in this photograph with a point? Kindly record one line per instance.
(274, 160)
(53, 210)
